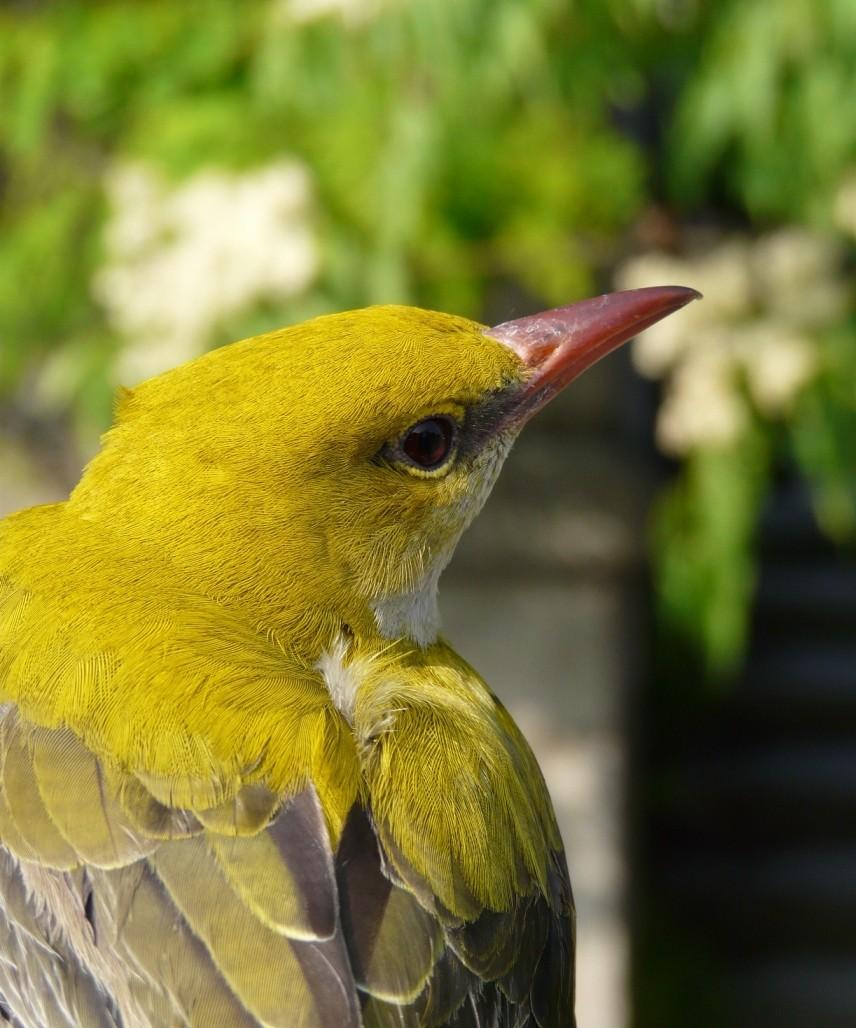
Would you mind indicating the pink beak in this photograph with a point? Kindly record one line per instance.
(559, 345)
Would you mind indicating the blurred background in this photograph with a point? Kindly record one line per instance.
(663, 587)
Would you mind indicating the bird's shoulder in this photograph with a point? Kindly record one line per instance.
(466, 827)
(433, 737)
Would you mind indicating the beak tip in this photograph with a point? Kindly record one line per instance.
(666, 299)
(690, 293)
(558, 345)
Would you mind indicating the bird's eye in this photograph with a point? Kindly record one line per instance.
(429, 442)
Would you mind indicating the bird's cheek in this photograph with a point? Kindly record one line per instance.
(369, 548)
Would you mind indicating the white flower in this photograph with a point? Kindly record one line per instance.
(761, 303)
(702, 406)
(777, 363)
(134, 223)
(796, 276)
(180, 260)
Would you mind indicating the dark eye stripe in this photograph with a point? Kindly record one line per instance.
(428, 443)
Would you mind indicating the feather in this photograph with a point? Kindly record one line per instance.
(149, 816)
(448, 988)
(39, 974)
(310, 977)
(393, 942)
(79, 801)
(553, 986)
(175, 979)
(285, 874)
(246, 813)
(24, 803)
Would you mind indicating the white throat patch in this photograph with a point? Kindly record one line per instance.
(412, 615)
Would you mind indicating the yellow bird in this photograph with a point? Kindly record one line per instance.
(244, 779)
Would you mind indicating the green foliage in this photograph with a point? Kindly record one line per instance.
(704, 530)
(824, 438)
(447, 147)
(763, 116)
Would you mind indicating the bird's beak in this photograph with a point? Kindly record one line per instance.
(559, 345)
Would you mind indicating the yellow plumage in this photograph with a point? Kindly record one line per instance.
(244, 781)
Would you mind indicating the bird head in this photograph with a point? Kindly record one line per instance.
(322, 475)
